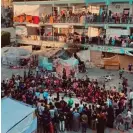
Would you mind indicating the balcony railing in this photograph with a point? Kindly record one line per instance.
(85, 19)
(73, 42)
(32, 0)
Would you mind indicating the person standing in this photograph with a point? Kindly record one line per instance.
(110, 117)
(37, 70)
(69, 117)
(121, 73)
(70, 102)
(84, 120)
(101, 120)
(46, 121)
(130, 67)
(76, 121)
(62, 121)
(120, 88)
(131, 98)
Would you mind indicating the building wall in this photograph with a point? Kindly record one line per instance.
(6, 3)
(118, 8)
(112, 32)
(92, 32)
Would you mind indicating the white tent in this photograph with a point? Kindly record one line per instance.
(84, 55)
(12, 55)
(17, 117)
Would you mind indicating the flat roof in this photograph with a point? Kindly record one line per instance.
(12, 112)
(67, 2)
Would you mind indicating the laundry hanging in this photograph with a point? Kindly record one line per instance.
(36, 20)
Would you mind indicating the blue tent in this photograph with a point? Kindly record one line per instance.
(43, 62)
(17, 117)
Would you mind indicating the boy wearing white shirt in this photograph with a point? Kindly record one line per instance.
(131, 98)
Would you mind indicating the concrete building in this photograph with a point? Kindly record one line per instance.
(93, 18)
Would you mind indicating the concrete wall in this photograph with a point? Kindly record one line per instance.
(112, 32)
(118, 8)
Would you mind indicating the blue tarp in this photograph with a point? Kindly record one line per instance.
(33, 127)
(43, 62)
(12, 112)
(71, 62)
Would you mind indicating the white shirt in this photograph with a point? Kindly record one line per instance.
(50, 99)
(41, 96)
(52, 113)
(40, 110)
(131, 95)
(129, 114)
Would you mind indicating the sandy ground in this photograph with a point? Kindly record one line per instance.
(92, 73)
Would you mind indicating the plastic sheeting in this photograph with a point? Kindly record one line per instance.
(12, 55)
(34, 10)
(12, 114)
(84, 55)
(26, 9)
(43, 62)
(70, 62)
(69, 65)
(33, 127)
(21, 30)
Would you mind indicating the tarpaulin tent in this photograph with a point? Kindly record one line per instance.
(12, 55)
(43, 62)
(84, 55)
(69, 65)
(17, 117)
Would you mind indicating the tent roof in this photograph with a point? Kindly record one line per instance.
(15, 51)
(12, 112)
(70, 62)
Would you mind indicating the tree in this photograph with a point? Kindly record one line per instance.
(5, 38)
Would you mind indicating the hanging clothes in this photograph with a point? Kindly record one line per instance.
(51, 19)
(36, 20)
(21, 18)
(29, 18)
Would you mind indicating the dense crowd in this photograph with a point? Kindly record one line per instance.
(82, 17)
(75, 38)
(98, 107)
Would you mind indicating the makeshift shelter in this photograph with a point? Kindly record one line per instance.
(17, 117)
(43, 62)
(69, 65)
(112, 62)
(84, 55)
(12, 55)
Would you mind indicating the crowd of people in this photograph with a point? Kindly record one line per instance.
(67, 16)
(75, 38)
(98, 107)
